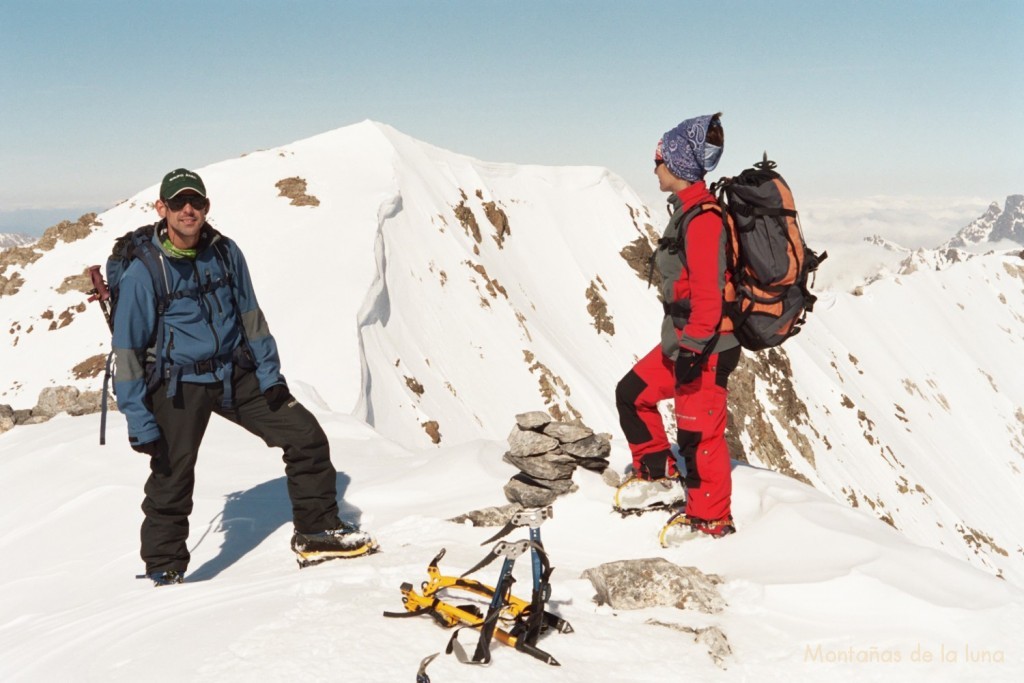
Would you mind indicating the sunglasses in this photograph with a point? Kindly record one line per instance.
(658, 162)
(178, 203)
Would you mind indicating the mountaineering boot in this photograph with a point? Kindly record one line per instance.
(636, 496)
(681, 527)
(166, 578)
(343, 542)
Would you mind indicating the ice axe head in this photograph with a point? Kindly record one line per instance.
(99, 286)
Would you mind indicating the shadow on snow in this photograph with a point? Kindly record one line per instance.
(250, 516)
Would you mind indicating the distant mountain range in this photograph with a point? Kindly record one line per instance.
(15, 240)
(995, 225)
(995, 229)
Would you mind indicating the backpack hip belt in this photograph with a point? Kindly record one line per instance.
(241, 356)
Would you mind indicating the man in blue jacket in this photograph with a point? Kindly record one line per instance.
(211, 351)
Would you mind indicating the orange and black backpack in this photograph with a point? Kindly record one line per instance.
(767, 257)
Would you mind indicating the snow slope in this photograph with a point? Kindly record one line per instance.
(815, 590)
(907, 402)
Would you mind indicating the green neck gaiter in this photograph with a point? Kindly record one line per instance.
(178, 253)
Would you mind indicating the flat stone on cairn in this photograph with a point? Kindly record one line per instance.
(547, 453)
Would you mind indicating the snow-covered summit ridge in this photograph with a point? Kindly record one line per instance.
(434, 296)
(415, 272)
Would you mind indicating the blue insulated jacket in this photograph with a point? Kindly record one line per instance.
(211, 313)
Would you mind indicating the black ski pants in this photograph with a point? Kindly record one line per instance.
(183, 419)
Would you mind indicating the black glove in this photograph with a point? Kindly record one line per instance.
(687, 366)
(150, 448)
(276, 396)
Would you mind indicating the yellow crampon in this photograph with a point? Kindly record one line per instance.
(522, 621)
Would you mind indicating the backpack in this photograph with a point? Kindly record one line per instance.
(768, 259)
(134, 244)
(138, 245)
(766, 295)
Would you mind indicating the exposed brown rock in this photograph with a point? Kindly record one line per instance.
(746, 410)
(467, 220)
(499, 220)
(11, 285)
(976, 539)
(90, 367)
(433, 430)
(294, 188)
(493, 287)
(638, 255)
(414, 386)
(67, 231)
(76, 283)
(598, 308)
(551, 387)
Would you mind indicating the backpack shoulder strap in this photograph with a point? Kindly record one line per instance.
(146, 251)
(675, 245)
(220, 248)
(697, 210)
(684, 223)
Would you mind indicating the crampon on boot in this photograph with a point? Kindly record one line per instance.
(344, 542)
(169, 577)
(635, 496)
(681, 527)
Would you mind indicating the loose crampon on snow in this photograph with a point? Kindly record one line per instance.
(513, 621)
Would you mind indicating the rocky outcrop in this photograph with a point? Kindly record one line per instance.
(492, 516)
(597, 307)
(711, 637)
(655, 582)
(53, 401)
(774, 426)
(7, 419)
(17, 257)
(295, 189)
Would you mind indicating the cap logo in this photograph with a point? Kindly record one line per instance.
(179, 180)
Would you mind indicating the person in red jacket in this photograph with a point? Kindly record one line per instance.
(696, 355)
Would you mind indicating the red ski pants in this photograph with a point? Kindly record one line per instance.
(700, 409)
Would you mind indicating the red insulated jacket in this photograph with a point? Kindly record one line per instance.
(693, 280)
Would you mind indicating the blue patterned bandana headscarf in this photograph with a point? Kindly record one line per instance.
(686, 151)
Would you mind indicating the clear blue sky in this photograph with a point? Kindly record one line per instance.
(898, 97)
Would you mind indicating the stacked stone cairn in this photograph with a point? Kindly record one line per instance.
(547, 453)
